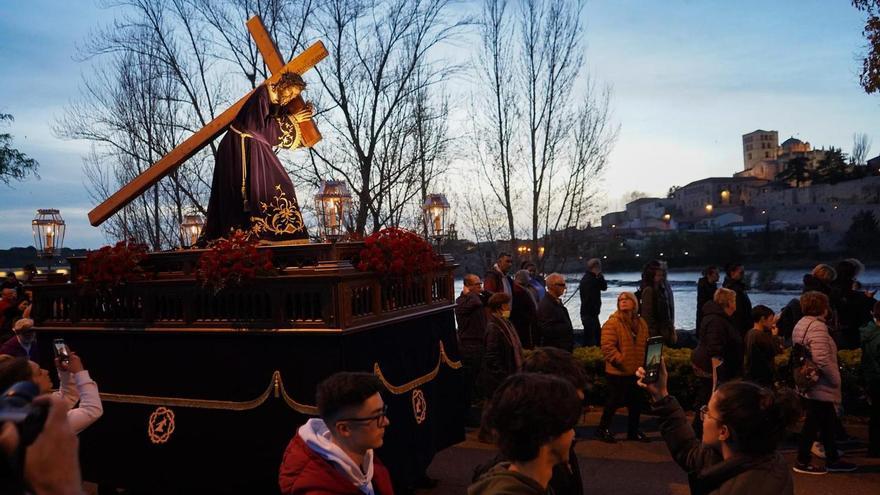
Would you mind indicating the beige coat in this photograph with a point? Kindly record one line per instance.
(624, 352)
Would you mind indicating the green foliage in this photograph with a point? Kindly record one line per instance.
(833, 168)
(14, 165)
(797, 169)
(683, 382)
(863, 235)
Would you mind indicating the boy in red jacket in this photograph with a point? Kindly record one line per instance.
(334, 454)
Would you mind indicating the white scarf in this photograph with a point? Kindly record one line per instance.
(317, 437)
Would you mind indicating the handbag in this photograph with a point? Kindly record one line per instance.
(804, 370)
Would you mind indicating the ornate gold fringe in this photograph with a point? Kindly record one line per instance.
(276, 387)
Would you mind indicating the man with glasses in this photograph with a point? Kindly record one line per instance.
(470, 315)
(554, 323)
(334, 453)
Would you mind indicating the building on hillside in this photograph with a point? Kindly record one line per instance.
(764, 158)
(715, 196)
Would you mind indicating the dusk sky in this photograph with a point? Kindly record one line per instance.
(689, 78)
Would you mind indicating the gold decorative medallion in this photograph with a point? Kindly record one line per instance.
(281, 217)
(419, 405)
(161, 425)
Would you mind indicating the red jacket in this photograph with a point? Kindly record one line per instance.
(303, 471)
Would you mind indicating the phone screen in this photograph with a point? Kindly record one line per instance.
(652, 359)
(61, 350)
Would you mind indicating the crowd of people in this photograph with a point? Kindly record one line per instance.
(516, 341)
(733, 362)
(49, 464)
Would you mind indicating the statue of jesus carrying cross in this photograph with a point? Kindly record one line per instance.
(250, 189)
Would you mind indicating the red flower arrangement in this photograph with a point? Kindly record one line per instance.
(234, 261)
(112, 266)
(398, 252)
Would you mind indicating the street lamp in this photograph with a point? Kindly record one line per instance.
(709, 208)
(48, 228)
(434, 209)
(333, 206)
(190, 229)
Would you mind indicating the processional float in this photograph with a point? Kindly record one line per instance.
(202, 390)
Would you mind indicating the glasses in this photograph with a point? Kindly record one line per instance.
(379, 418)
(704, 413)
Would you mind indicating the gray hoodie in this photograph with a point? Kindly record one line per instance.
(500, 480)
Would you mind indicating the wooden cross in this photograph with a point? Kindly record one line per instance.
(192, 145)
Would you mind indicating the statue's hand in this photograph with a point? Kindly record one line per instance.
(305, 114)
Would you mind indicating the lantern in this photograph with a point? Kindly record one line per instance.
(333, 207)
(48, 228)
(435, 209)
(191, 229)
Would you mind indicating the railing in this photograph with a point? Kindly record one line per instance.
(326, 295)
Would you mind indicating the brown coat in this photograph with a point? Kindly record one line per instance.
(624, 353)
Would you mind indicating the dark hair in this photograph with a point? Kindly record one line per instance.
(14, 370)
(497, 300)
(709, 269)
(345, 389)
(529, 410)
(846, 273)
(756, 416)
(503, 254)
(526, 264)
(556, 362)
(814, 303)
(730, 268)
(649, 272)
(760, 311)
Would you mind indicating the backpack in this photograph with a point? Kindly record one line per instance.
(804, 370)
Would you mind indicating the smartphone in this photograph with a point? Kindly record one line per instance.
(652, 359)
(62, 352)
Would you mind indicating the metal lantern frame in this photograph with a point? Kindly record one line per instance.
(191, 229)
(434, 210)
(48, 228)
(333, 207)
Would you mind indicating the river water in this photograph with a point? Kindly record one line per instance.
(684, 286)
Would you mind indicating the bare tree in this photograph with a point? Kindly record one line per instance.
(381, 62)
(860, 149)
(496, 112)
(536, 140)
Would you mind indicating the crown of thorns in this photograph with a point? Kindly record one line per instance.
(288, 79)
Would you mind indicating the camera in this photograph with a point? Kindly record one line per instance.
(16, 406)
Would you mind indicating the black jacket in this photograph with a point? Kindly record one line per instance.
(524, 316)
(499, 361)
(591, 288)
(554, 324)
(708, 472)
(719, 338)
(471, 318)
(705, 293)
(742, 317)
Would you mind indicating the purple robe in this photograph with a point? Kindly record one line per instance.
(251, 190)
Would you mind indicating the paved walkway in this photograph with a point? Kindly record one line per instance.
(646, 468)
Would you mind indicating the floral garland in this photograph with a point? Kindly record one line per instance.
(232, 262)
(113, 265)
(398, 252)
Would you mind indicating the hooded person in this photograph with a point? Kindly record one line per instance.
(335, 453)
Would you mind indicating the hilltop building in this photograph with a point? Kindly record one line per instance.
(753, 200)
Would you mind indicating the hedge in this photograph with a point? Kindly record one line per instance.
(683, 382)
